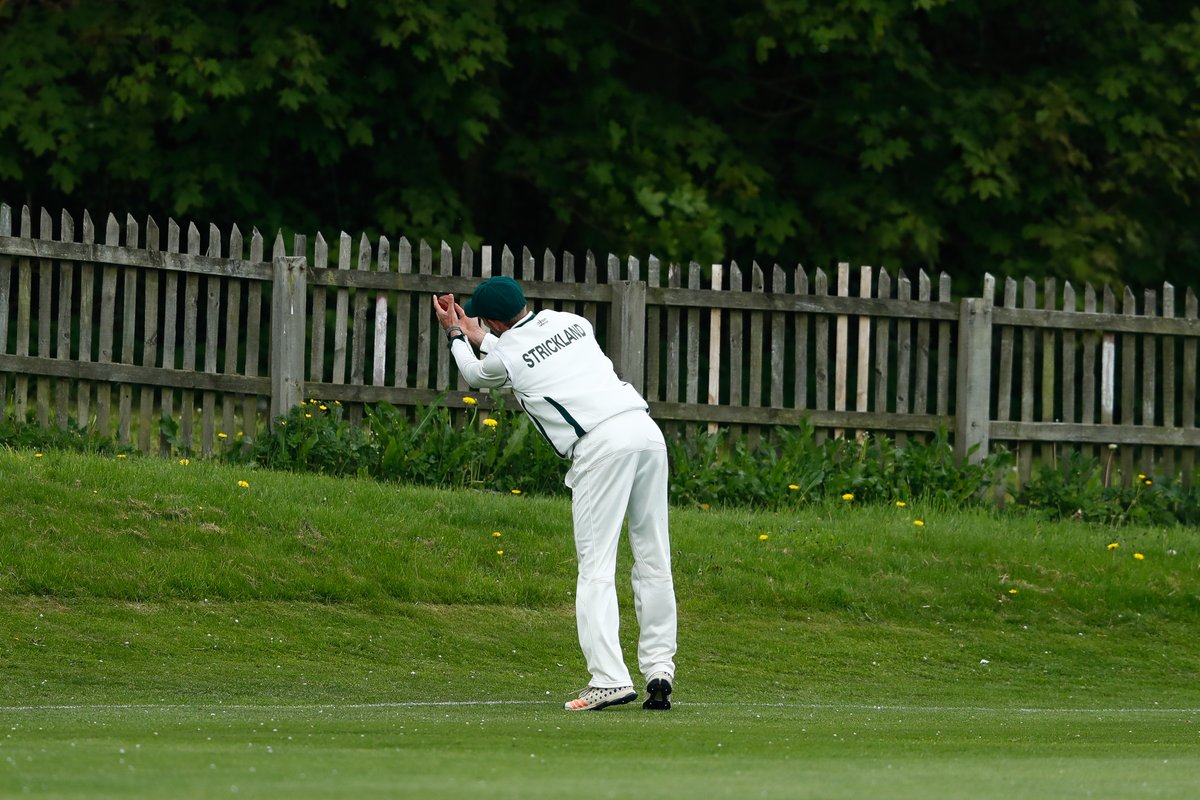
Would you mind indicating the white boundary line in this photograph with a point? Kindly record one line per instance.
(549, 702)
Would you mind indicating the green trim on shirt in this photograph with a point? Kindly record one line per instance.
(579, 431)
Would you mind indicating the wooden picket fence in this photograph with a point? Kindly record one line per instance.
(220, 336)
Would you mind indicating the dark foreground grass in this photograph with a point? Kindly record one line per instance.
(734, 750)
(165, 632)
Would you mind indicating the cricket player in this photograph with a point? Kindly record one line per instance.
(566, 384)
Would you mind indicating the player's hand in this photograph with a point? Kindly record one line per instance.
(471, 327)
(448, 312)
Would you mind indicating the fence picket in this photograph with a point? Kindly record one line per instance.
(24, 321)
(1128, 377)
(170, 305)
(108, 311)
(149, 342)
(882, 343)
(358, 353)
(424, 315)
(920, 403)
(1089, 341)
(547, 275)
(862, 382)
(692, 374)
(1049, 374)
(342, 314)
(778, 326)
(379, 346)
(943, 349)
(655, 338)
(1149, 381)
(677, 339)
(507, 261)
(254, 303)
(129, 314)
(1169, 419)
(191, 299)
(568, 270)
(320, 295)
(903, 353)
(1188, 397)
(822, 353)
(800, 332)
(66, 294)
(714, 345)
(233, 322)
(589, 279)
(212, 329)
(1028, 359)
(1108, 365)
(446, 270)
(1069, 414)
(404, 313)
(1004, 384)
(736, 337)
(5, 299)
(842, 345)
(45, 316)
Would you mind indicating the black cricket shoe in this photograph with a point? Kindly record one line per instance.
(658, 692)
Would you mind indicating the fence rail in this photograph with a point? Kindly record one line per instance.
(219, 335)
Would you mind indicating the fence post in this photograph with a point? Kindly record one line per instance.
(973, 406)
(627, 331)
(288, 334)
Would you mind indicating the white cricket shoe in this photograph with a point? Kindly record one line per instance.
(594, 698)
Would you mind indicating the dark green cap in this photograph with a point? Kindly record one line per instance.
(499, 298)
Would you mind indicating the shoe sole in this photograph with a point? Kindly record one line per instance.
(659, 695)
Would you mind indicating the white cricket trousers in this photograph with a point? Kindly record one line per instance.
(619, 470)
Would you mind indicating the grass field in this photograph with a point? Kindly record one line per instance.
(167, 632)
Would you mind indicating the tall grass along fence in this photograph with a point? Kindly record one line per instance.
(189, 341)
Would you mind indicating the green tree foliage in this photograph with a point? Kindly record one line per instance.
(1018, 138)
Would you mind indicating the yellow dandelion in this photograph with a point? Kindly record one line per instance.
(470, 401)
(1141, 477)
(120, 455)
(39, 455)
(762, 537)
(499, 552)
(901, 504)
(1012, 591)
(323, 407)
(1139, 556)
(1114, 545)
(516, 491)
(308, 416)
(244, 484)
(496, 534)
(919, 523)
(848, 497)
(793, 486)
(183, 462)
(1148, 483)
(491, 423)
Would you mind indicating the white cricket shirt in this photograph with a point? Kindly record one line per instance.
(557, 371)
